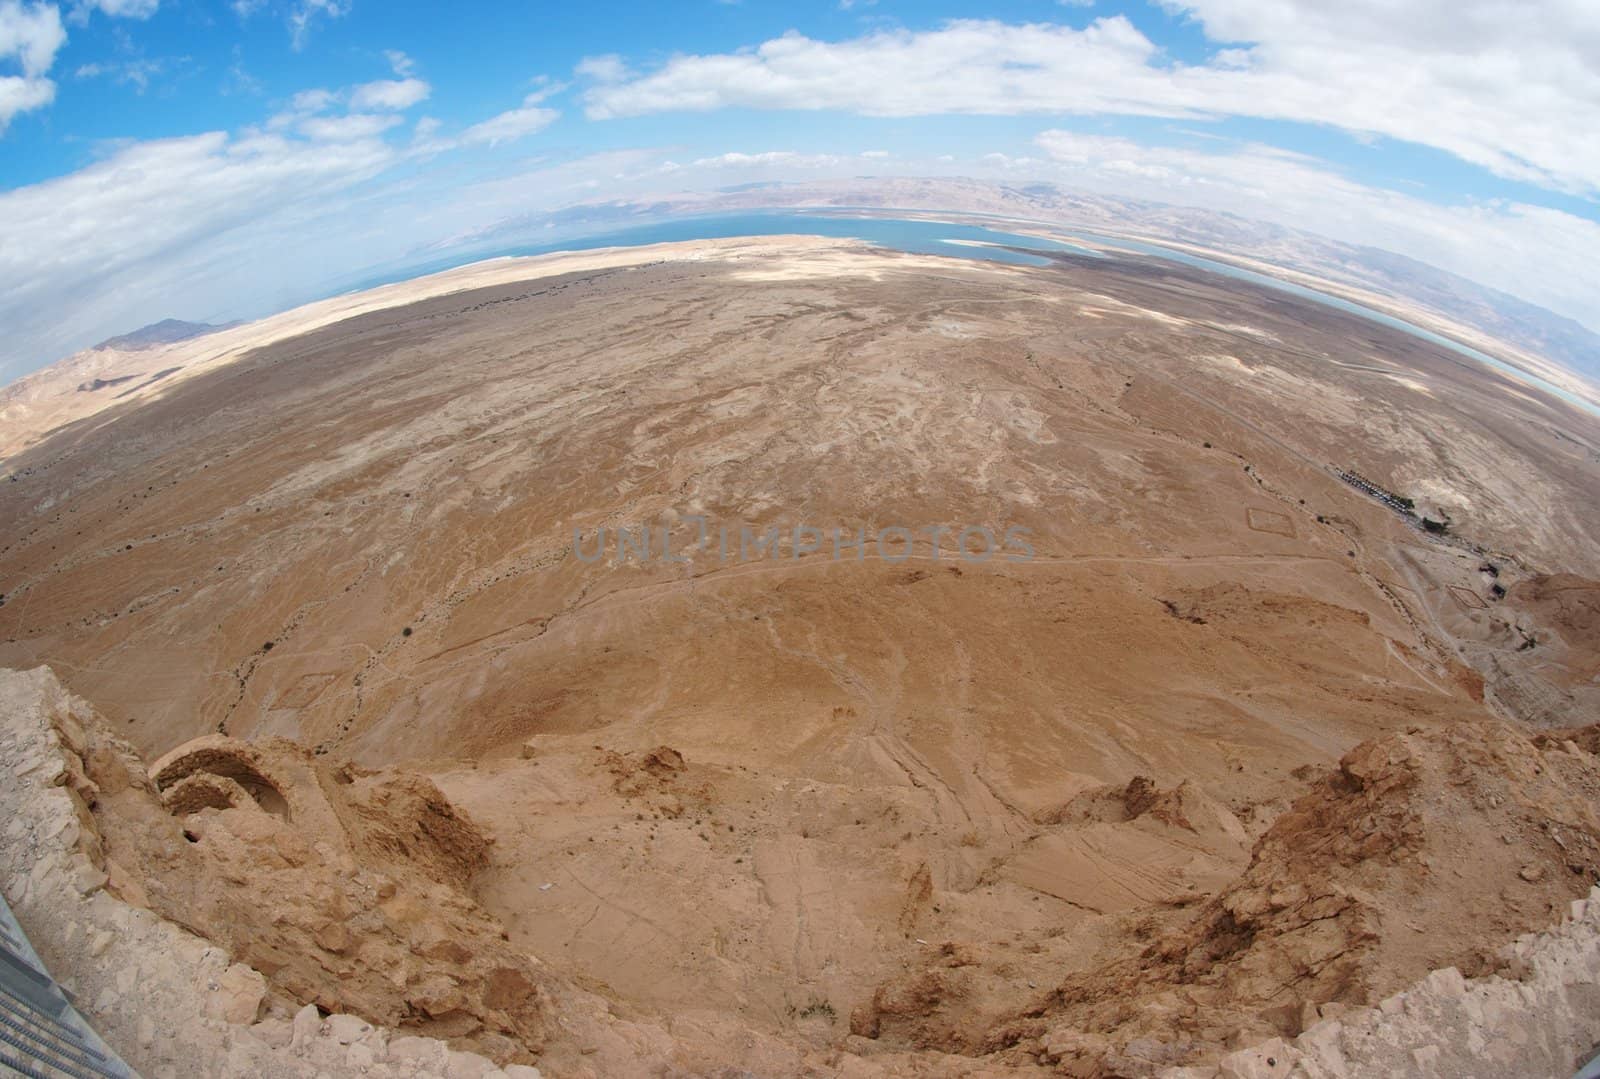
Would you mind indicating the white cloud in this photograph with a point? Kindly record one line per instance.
(1008, 162)
(135, 73)
(317, 100)
(770, 157)
(544, 88)
(30, 36)
(1515, 94)
(362, 103)
(393, 94)
(306, 12)
(192, 218)
(125, 9)
(403, 65)
(489, 208)
(232, 225)
(238, 80)
(603, 69)
(347, 128)
(512, 125)
(967, 67)
(19, 95)
(305, 104)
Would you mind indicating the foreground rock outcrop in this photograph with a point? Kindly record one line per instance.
(348, 889)
(1413, 856)
(339, 930)
(1538, 1019)
(293, 944)
(171, 1002)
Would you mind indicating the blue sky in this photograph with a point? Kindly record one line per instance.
(220, 159)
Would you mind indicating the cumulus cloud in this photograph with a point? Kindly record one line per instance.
(392, 94)
(30, 36)
(1513, 94)
(363, 106)
(19, 95)
(966, 67)
(315, 100)
(347, 128)
(512, 125)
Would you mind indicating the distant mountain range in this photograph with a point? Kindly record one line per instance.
(1536, 339)
(1498, 315)
(165, 332)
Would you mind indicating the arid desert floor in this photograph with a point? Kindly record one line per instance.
(1238, 744)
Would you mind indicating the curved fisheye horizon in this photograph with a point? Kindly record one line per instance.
(168, 142)
(855, 538)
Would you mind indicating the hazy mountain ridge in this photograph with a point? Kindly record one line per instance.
(166, 332)
(1556, 337)
(1516, 322)
(1561, 341)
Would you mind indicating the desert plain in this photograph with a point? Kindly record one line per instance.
(1235, 745)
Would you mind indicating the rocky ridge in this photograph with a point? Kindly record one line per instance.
(272, 1002)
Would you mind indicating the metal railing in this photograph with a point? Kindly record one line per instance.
(42, 1036)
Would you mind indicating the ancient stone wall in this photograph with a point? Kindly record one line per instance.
(171, 1003)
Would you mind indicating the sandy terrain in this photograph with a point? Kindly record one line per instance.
(98, 379)
(880, 803)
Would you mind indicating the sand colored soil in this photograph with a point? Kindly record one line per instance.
(891, 802)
